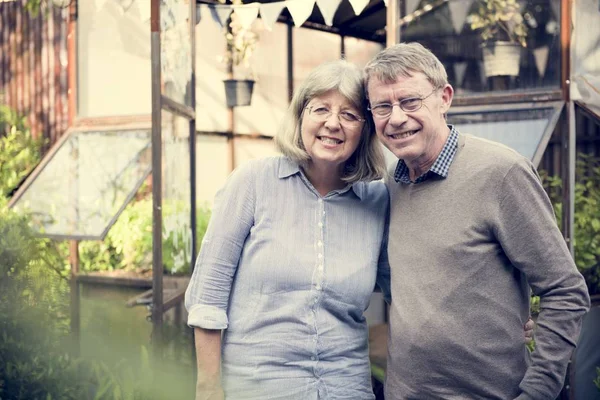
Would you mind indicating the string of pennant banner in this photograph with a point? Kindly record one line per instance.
(300, 11)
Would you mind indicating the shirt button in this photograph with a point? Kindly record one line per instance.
(320, 243)
(320, 267)
(318, 287)
(313, 358)
(320, 201)
(314, 339)
(320, 224)
(320, 255)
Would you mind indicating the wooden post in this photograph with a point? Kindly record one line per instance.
(392, 23)
(157, 261)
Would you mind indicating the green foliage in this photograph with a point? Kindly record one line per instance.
(19, 152)
(36, 362)
(597, 380)
(499, 20)
(587, 216)
(128, 244)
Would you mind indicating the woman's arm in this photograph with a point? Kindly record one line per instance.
(208, 358)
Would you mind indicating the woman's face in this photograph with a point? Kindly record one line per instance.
(331, 129)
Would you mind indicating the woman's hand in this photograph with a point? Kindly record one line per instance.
(209, 392)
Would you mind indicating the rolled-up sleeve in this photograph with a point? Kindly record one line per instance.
(207, 295)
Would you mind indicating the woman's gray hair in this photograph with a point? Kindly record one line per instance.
(406, 59)
(367, 162)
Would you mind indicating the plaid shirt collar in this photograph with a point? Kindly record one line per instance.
(441, 165)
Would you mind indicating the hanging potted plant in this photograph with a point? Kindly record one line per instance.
(503, 32)
(241, 43)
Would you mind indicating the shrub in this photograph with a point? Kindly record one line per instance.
(19, 151)
(586, 241)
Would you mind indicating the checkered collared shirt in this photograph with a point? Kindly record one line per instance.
(441, 165)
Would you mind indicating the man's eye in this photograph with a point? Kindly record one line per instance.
(382, 108)
(411, 103)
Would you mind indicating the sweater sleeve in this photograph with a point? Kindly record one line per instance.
(207, 295)
(527, 231)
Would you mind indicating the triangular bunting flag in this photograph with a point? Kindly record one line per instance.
(220, 14)
(100, 3)
(328, 9)
(198, 13)
(411, 6)
(246, 14)
(358, 5)
(555, 6)
(300, 10)
(458, 13)
(541, 59)
(459, 72)
(269, 12)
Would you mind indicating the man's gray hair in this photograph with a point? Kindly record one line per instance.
(406, 59)
(367, 162)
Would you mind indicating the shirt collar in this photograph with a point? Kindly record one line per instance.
(288, 167)
(440, 167)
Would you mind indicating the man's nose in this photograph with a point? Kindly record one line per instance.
(398, 116)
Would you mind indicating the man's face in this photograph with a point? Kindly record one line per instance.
(417, 137)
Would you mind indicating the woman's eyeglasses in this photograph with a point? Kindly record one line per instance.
(322, 114)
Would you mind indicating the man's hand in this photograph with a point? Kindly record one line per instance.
(529, 330)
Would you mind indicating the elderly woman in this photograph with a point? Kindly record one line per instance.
(289, 260)
(292, 253)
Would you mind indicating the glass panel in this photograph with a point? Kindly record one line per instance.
(307, 54)
(176, 225)
(360, 51)
(86, 183)
(253, 148)
(176, 50)
(270, 97)
(211, 111)
(212, 167)
(113, 58)
(521, 130)
(450, 30)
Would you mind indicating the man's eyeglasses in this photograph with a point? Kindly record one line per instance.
(411, 104)
(322, 114)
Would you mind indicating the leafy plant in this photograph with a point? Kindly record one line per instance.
(19, 151)
(241, 42)
(499, 20)
(597, 380)
(587, 218)
(128, 244)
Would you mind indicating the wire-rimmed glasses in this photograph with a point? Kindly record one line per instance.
(410, 104)
(346, 117)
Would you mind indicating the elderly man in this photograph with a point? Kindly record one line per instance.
(471, 230)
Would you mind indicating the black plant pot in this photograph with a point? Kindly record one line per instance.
(238, 92)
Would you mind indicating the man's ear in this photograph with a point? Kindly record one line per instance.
(447, 96)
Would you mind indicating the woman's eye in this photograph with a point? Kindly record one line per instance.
(347, 115)
(321, 110)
